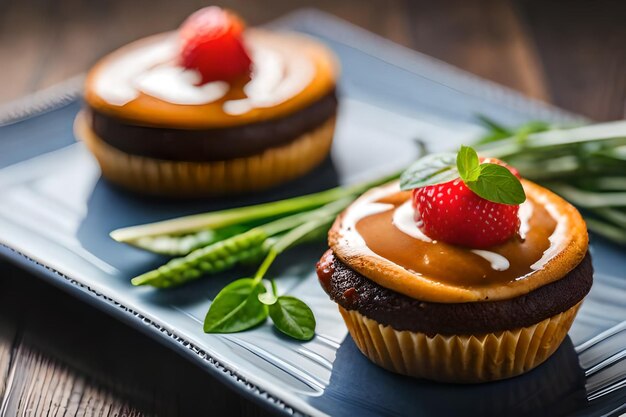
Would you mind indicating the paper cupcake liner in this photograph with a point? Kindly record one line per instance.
(459, 358)
(191, 179)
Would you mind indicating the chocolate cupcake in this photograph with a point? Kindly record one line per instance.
(211, 109)
(441, 283)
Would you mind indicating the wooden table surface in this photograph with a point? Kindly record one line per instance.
(60, 357)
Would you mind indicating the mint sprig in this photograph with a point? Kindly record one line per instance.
(245, 303)
(492, 182)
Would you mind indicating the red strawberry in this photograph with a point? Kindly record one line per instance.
(452, 213)
(211, 43)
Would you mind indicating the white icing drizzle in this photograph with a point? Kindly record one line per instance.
(179, 86)
(525, 213)
(365, 206)
(352, 217)
(556, 238)
(497, 261)
(278, 74)
(115, 81)
(404, 221)
(275, 79)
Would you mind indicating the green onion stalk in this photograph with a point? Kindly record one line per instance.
(214, 242)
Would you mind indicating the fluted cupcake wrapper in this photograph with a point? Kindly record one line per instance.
(459, 358)
(234, 176)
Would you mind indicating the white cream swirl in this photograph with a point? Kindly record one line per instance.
(496, 261)
(179, 86)
(276, 77)
(403, 219)
(278, 74)
(115, 82)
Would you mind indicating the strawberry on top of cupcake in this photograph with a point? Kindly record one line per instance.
(478, 207)
(211, 42)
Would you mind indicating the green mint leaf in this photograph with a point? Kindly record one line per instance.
(496, 183)
(236, 308)
(429, 170)
(468, 164)
(293, 317)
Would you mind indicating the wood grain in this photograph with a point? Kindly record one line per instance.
(58, 356)
(484, 37)
(582, 45)
(38, 385)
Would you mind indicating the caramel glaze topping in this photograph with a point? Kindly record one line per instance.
(454, 264)
(116, 85)
(377, 237)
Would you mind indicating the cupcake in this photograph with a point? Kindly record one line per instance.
(461, 272)
(211, 109)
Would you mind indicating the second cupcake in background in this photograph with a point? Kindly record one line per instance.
(211, 109)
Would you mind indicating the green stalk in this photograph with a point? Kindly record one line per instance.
(182, 245)
(217, 257)
(211, 259)
(602, 183)
(615, 216)
(612, 133)
(320, 218)
(239, 215)
(225, 218)
(588, 199)
(607, 230)
(240, 248)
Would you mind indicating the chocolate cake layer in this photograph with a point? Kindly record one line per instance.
(353, 291)
(210, 144)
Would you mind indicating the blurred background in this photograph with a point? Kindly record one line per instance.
(570, 53)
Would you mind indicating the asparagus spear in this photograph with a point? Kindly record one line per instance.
(247, 246)
(184, 244)
(219, 220)
(610, 134)
(606, 230)
(214, 258)
(589, 199)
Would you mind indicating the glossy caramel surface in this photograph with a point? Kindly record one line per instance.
(365, 238)
(150, 110)
(454, 264)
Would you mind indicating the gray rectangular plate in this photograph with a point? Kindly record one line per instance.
(56, 213)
